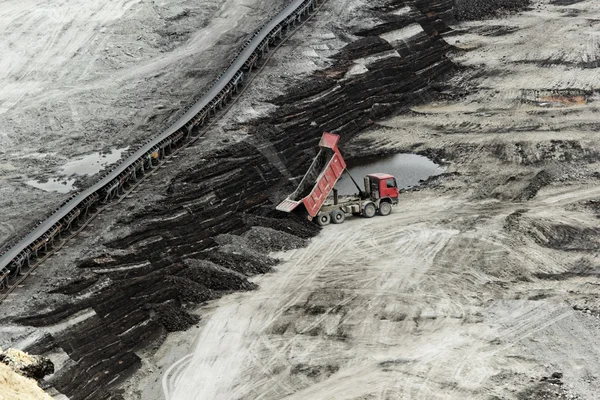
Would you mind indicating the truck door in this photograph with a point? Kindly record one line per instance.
(389, 188)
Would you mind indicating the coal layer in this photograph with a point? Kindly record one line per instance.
(217, 221)
(468, 10)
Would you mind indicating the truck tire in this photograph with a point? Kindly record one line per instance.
(369, 210)
(338, 216)
(323, 219)
(385, 208)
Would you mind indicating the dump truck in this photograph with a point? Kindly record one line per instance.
(312, 195)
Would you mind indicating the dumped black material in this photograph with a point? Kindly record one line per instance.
(173, 318)
(191, 291)
(310, 179)
(271, 240)
(215, 277)
(369, 45)
(77, 285)
(468, 10)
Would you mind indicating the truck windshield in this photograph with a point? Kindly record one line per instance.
(391, 183)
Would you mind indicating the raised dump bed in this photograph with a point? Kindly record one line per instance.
(319, 180)
(379, 195)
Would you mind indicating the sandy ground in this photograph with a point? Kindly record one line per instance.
(466, 290)
(513, 68)
(16, 387)
(396, 307)
(78, 79)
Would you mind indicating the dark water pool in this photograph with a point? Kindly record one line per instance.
(408, 169)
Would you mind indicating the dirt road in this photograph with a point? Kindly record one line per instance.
(422, 304)
(301, 324)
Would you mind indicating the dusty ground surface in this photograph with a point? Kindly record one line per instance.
(79, 79)
(424, 304)
(483, 285)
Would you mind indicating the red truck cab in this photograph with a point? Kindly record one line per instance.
(382, 186)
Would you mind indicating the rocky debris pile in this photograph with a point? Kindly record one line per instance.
(240, 258)
(29, 366)
(267, 239)
(468, 10)
(215, 277)
(190, 291)
(260, 240)
(173, 317)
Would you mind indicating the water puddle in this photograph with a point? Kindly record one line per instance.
(92, 163)
(54, 185)
(408, 169)
(86, 165)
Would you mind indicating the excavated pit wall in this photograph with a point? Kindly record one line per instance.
(183, 250)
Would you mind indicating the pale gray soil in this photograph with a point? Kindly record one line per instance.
(480, 287)
(413, 305)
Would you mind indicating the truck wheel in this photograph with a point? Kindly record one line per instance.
(323, 219)
(369, 210)
(385, 208)
(337, 216)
